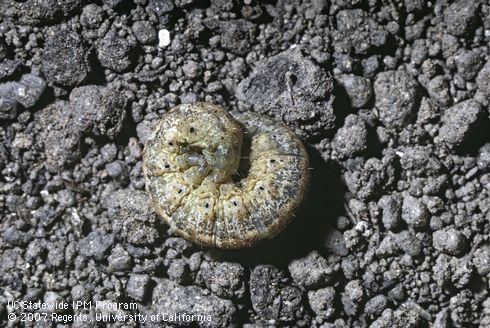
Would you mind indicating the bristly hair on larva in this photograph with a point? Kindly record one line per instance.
(225, 180)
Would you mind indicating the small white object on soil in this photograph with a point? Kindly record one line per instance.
(163, 38)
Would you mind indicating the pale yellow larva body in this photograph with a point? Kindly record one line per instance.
(221, 180)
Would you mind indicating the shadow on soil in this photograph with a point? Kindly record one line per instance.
(307, 231)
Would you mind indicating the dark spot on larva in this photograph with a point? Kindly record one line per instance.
(273, 160)
(180, 191)
(206, 205)
(191, 130)
(261, 188)
(167, 166)
(170, 143)
(235, 203)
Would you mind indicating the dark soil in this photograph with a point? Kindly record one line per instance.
(391, 97)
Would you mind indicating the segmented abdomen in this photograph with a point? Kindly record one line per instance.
(221, 180)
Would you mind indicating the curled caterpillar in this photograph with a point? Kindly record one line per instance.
(224, 180)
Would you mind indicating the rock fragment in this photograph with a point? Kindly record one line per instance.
(8, 67)
(468, 63)
(8, 108)
(115, 52)
(414, 212)
(119, 260)
(92, 110)
(483, 79)
(138, 286)
(438, 89)
(35, 12)
(408, 242)
(391, 206)
(357, 32)
(449, 241)
(376, 305)
(322, 302)
(460, 16)
(178, 271)
(229, 285)
(406, 315)
(144, 32)
(163, 38)
(97, 110)
(481, 260)
(358, 89)
(396, 95)
(91, 16)
(236, 35)
(32, 88)
(16, 237)
(162, 9)
(310, 271)
(351, 139)
(290, 87)
(483, 159)
(26, 92)
(458, 122)
(168, 297)
(132, 216)
(96, 244)
(65, 59)
(352, 297)
(60, 137)
(272, 299)
(369, 179)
